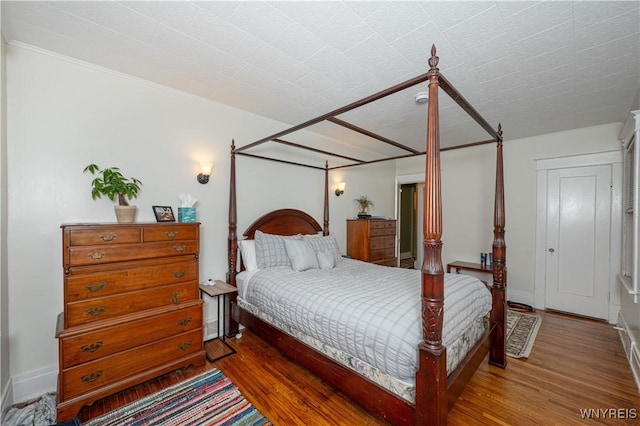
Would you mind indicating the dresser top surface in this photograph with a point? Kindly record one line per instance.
(112, 224)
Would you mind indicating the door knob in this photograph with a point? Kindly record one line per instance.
(551, 250)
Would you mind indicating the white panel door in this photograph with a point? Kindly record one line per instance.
(578, 240)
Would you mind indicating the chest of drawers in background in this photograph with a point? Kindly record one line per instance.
(131, 308)
(372, 240)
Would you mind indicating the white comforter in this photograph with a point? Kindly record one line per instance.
(371, 312)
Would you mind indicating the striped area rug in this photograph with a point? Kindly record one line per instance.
(522, 330)
(207, 399)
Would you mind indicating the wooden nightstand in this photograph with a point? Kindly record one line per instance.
(220, 288)
(470, 266)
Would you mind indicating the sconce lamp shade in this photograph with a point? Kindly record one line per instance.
(205, 172)
(340, 188)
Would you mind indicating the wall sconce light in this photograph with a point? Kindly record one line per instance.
(340, 189)
(205, 172)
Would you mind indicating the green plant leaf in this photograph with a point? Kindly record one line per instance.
(112, 184)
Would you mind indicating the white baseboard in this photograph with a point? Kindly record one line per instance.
(35, 383)
(519, 296)
(630, 343)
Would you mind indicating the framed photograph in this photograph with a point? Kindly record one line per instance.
(164, 213)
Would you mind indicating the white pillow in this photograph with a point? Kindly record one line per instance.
(326, 260)
(248, 253)
(270, 250)
(301, 254)
(326, 243)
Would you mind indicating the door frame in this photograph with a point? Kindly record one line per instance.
(613, 158)
(416, 178)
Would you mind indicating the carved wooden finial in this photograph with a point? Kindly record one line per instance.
(326, 164)
(500, 129)
(233, 144)
(433, 60)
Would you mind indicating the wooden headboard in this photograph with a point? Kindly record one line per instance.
(284, 222)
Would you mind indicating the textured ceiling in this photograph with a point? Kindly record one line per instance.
(535, 67)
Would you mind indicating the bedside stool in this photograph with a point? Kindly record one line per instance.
(220, 288)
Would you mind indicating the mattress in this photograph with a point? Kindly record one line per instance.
(370, 312)
(403, 388)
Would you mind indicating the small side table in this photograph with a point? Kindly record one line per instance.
(470, 266)
(215, 291)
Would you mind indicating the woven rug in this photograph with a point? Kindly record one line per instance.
(521, 333)
(207, 399)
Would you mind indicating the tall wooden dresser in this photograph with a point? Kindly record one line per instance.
(372, 240)
(131, 308)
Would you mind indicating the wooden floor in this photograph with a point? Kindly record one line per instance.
(576, 364)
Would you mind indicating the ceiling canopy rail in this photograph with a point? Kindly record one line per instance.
(332, 117)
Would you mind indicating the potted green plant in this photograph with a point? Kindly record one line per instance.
(364, 203)
(112, 183)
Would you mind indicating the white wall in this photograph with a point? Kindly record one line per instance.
(468, 182)
(5, 389)
(63, 115)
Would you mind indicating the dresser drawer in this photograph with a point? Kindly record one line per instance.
(129, 277)
(102, 308)
(375, 232)
(387, 262)
(170, 233)
(382, 224)
(82, 346)
(387, 253)
(95, 255)
(105, 235)
(95, 374)
(376, 243)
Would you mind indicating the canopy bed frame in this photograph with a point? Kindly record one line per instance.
(436, 391)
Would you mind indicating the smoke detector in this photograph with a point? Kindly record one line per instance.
(422, 97)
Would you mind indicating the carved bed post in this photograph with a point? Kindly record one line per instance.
(325, 223)
(498, 354)
(232, 243)
(431, 379)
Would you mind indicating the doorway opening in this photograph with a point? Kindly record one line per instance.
(408, 225)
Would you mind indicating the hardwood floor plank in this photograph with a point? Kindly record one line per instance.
(575, 364)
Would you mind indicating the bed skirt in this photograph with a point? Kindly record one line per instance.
(404, 389)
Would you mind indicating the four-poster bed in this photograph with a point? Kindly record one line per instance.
(435, 388)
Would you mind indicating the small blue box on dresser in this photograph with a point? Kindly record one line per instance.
(186, 214)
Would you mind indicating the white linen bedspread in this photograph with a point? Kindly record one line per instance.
(371, 312)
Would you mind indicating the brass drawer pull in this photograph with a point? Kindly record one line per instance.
(185, 345)
(179, 274)
(108, 237)
(180, 248)
(88, 378)
(94, 312)
(94, 287)
(96, 255)
(171, 234)
(175, 299)
(92, 347)
(184, 321)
